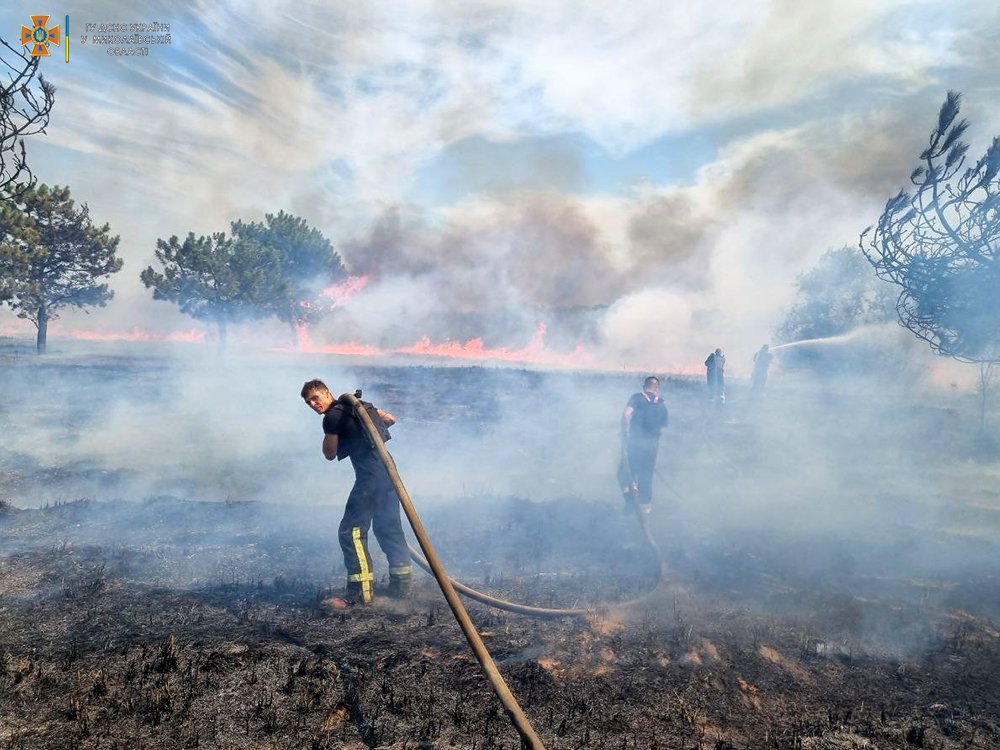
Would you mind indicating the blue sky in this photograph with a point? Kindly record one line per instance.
(607, 169)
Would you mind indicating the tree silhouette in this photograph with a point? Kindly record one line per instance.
(52, 256)
(26, 99)
(940, 244)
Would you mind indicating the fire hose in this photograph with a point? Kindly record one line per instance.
(430, 562)
(518, 719)
(545, 612)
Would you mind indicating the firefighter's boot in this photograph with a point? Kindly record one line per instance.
(399, 586)
(629, 495)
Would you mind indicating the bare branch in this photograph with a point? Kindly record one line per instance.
(940, 245)
(26, 100)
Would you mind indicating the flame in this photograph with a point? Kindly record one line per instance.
(342, 291)
(349, 348)
(191, 336)
(534, 353)
(302, 333)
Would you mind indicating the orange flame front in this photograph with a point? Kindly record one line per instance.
(342, 291)
(473, 349)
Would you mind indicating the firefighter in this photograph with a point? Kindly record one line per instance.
(372, 501)
(761, 361)
(715, 374)
(644, 419)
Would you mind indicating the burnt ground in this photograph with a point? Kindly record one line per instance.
(134, 645)
(835, 581)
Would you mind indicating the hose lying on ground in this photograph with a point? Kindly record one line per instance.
(479, 596)
(505, 604)
(545, 612)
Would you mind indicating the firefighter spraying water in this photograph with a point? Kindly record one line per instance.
(761, 363)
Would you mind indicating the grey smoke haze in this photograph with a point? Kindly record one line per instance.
(235, 428)
(856, 480)
(542, 246)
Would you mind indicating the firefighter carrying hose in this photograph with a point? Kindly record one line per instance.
(644, 418)
(372, 502)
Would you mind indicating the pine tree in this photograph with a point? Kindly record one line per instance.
(307, 263)
(276, 268)
(52, 256)
(837, 295)
(217, 279)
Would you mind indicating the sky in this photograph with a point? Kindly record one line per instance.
(646, 180)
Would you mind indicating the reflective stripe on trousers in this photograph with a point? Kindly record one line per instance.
(365, 576)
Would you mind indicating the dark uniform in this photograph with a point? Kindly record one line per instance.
(372, 502)
(715, 374)
(649, 418)
(761, 361)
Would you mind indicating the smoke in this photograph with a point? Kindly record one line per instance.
(496, 268)
(542, 247)
(588, 212)
(494, 271)
(819, 485)
(594, 230)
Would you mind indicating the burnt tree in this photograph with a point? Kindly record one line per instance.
(940, 244)
(26, 99)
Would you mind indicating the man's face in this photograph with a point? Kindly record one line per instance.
(319, 400)
(652, 387)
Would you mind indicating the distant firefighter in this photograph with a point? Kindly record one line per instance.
(761, 362)
(715, 374)
(644, 419)
(372, 498)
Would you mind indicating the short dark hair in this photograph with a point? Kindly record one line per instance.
(313, 385)
(650, 379)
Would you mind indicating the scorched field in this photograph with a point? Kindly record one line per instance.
(168, 530)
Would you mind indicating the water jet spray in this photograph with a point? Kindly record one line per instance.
(840, 338)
